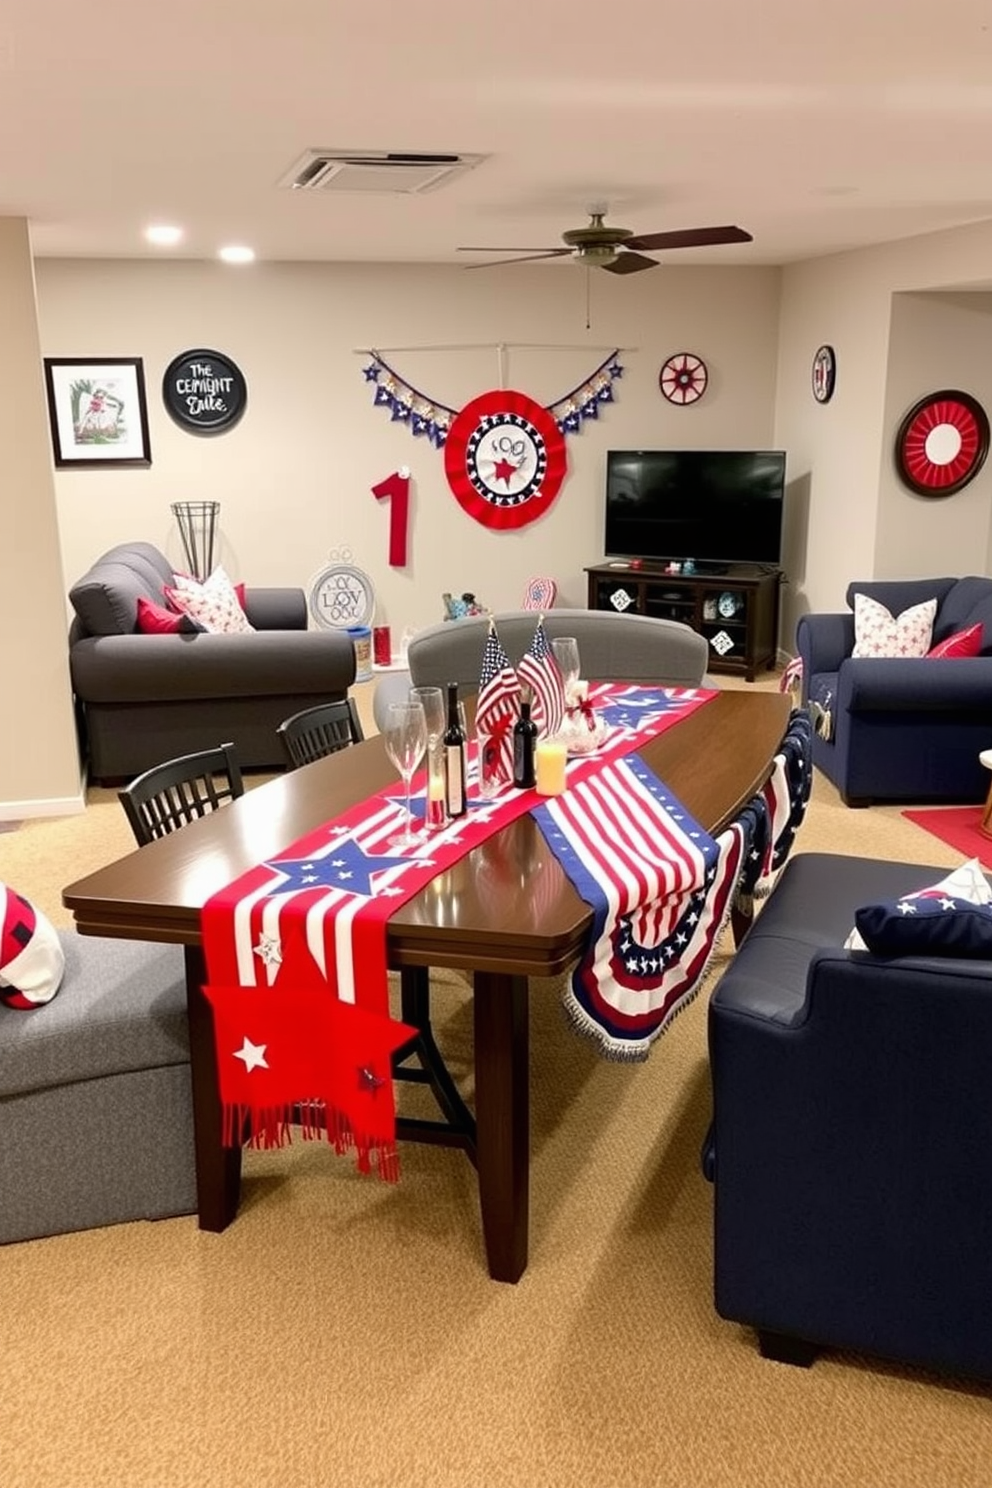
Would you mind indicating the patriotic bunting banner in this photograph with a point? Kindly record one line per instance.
(428, 417)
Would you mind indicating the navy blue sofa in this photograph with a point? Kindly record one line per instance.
(902, 729)
(852, 1126)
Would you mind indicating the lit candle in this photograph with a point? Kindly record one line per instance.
(434, 809)
(550, 760)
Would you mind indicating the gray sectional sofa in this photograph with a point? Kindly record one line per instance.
(142, 698)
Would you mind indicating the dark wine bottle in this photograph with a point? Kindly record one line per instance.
(524, 740)
(454, 757)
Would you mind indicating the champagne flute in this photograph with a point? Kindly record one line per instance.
(405, 738)
(566, 654)
(431, 699)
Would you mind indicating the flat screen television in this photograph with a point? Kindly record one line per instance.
(714, 506)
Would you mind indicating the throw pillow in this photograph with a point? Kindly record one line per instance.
(214, 603)
(31, 957)
(879, 633)
(155, 619)
(961, 643)
(950, 918)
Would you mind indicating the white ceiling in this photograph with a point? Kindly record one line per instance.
(817, 125)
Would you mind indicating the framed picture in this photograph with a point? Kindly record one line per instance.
(97, 411)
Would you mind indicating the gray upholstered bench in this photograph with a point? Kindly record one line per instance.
(96, 1123)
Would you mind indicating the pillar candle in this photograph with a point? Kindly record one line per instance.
(550, 760)
(434, 805)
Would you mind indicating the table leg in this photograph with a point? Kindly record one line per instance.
(502, 1114)
(218, 1168)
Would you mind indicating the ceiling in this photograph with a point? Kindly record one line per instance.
(816, 126)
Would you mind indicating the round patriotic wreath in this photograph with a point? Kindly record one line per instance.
(504, 457)
(942, 443)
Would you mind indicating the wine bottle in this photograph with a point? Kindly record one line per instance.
(454, 757)
(524, 739)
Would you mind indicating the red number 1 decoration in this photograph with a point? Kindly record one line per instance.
(396, 488)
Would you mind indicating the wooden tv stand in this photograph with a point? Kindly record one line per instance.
(743, 643)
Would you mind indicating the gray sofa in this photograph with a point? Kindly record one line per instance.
(96, 1110)
(142, 699)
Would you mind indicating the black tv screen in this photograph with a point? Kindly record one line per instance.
(715, 506)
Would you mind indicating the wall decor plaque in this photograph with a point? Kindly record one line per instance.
(204, 391)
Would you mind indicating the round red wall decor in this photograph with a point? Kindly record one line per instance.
(505, 459)
(683, 378)
(942, 443)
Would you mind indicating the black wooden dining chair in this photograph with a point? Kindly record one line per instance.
(171, 795)
(322, 729)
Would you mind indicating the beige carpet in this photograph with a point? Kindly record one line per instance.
(344, 1332)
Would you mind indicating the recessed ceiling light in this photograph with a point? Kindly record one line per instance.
(164, 236)
(236, 253)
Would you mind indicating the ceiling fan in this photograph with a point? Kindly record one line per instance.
(616, 248)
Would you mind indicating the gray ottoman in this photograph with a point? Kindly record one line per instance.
(96, 1123)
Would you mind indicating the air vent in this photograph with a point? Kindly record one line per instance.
(375, 171)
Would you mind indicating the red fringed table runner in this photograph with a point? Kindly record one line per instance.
(312, 921)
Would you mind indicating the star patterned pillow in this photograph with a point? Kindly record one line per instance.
(879, 633)
(951, 918)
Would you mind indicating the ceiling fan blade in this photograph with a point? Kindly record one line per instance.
(690, 237)
(630, 263)
(505, 249)
(527, 258)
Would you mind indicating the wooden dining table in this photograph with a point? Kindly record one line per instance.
(714, 761)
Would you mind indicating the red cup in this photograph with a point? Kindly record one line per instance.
(382, 646)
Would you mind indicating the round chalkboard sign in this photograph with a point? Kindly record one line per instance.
(204, 392)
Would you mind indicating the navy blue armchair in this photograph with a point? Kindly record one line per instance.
(852, 1130)
(902, 729)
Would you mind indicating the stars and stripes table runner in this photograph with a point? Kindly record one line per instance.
(661, 889)
(296, 949)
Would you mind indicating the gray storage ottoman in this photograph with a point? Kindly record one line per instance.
(96, 1122)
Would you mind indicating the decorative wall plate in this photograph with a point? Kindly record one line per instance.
(942, 443)
(341, 597)
(204, 392)
(505, 459)
(683, 378)
(824, 374)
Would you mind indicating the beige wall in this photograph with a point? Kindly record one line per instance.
(861, 521)
(39, 768)
(935, 343)
(293, 477)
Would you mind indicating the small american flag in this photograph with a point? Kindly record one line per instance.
(497, 708)
(541, 673)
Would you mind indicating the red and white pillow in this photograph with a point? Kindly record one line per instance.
(32, 961)
(214, 603)
(877, 632)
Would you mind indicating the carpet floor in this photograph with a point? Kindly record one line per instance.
(343, 1333)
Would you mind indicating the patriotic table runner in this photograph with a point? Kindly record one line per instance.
(312, 921)
(661, 889)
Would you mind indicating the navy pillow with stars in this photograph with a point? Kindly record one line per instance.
(931, 923)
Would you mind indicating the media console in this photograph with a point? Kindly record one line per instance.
(736, 610)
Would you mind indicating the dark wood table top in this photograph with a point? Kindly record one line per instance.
(505, 907)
